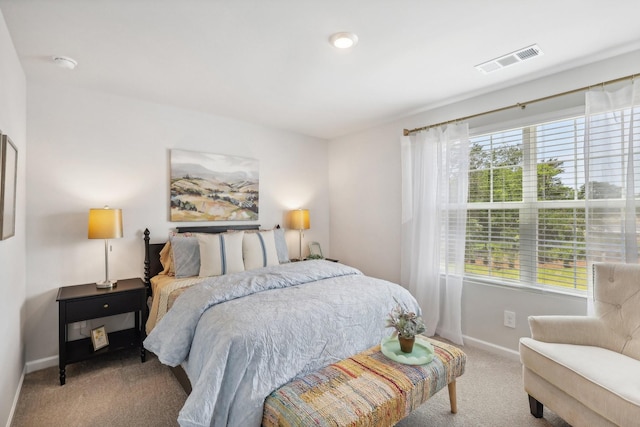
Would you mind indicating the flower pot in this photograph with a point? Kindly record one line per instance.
(406, 344)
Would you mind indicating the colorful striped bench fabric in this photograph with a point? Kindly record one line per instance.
(367, 389)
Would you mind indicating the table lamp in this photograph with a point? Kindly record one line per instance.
(299, 220)
(105, 223)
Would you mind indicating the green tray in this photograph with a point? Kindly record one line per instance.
(421, 355)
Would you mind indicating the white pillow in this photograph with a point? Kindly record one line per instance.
(220, 253)
(259, 249)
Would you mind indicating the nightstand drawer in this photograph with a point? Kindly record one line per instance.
(103, 306)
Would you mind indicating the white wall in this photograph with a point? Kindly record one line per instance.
(365, 190)
(88, 149)
(12, 251)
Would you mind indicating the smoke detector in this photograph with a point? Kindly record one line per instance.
(510, 59)
(65, 62)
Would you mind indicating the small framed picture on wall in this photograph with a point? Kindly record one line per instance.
(8, 177)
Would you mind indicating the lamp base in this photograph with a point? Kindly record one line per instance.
(106, 284)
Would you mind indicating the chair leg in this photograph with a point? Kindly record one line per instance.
(535, 407)
(452, 397)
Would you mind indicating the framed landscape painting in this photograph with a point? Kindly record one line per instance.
(8, 177)
(213, 187)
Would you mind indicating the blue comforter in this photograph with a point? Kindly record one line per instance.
(242, 335)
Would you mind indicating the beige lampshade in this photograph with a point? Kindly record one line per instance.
(105, 223)
(299, 219)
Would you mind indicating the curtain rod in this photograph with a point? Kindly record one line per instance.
(522, 105)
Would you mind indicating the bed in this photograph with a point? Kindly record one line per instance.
(242, 334)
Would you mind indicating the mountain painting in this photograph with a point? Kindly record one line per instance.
(213, 187)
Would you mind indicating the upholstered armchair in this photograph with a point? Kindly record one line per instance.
(586, 369)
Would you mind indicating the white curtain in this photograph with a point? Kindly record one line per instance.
(612, 175)
(435, 183)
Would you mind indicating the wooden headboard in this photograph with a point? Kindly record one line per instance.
(152, 265)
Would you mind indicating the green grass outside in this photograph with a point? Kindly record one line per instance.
(560, 276)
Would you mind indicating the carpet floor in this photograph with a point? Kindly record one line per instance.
(117, 390)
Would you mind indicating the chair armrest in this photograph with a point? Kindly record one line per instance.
(578, 330)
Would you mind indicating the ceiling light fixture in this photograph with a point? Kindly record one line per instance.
(65, 62)
(343, 40)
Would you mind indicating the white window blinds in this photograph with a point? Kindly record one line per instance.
(528, 203)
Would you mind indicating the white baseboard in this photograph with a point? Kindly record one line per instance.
(492, 348)
(15, 398)
(36, 365)
(32, 366)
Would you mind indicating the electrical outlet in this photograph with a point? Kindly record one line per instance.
(509, 319)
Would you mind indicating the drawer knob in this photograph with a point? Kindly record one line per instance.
(106, 306)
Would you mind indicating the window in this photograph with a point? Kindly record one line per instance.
(526, 217)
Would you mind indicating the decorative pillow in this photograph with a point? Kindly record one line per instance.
(186, 255)
(281, 245)
(259, 249)
(220, 253)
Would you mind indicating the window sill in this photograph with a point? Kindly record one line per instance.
(525, 288)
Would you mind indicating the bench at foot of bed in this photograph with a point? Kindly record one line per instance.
(367, 389)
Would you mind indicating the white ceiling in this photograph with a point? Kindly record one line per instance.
(269, 61)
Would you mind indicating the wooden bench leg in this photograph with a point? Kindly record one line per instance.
(452, 397)
(535, 407)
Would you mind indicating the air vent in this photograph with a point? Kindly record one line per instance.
(529, 52)
(510, 59)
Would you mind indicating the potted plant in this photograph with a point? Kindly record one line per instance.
(407, 325)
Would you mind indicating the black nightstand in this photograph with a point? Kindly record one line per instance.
(85, 302)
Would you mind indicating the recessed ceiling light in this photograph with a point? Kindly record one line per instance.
(65, 62)
(343, 40)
